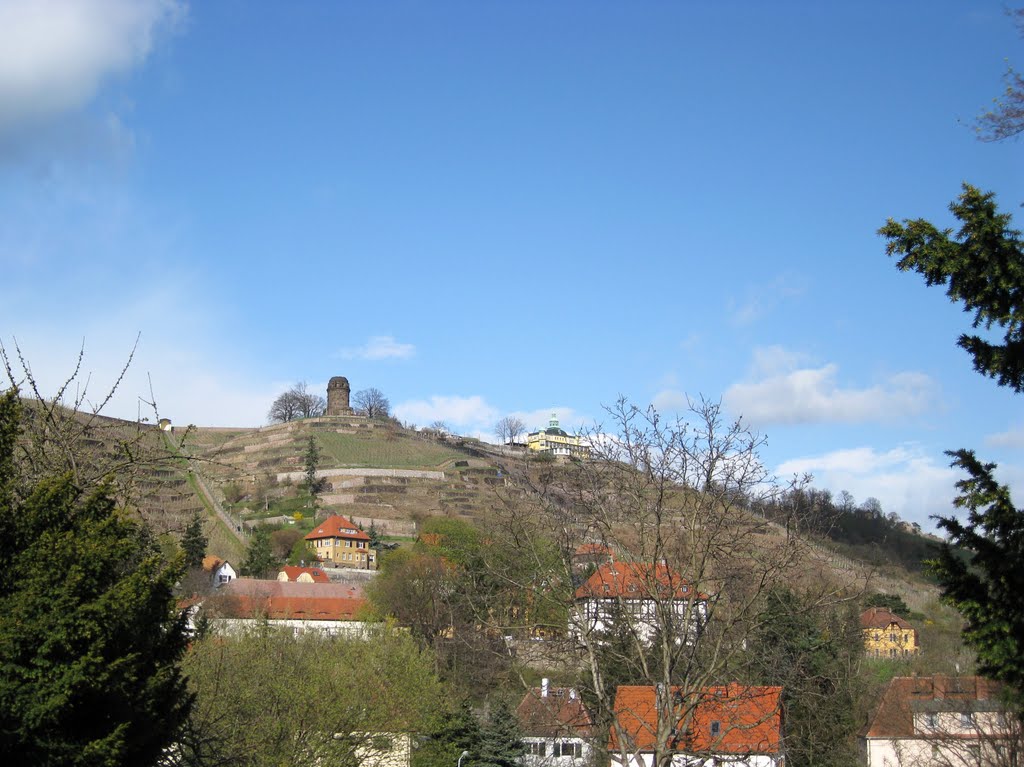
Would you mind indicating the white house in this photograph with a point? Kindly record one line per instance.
(938, 720)
(650, 597)
(558, 731)
(219, 570)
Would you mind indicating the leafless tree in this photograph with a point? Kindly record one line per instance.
(1006, 118)
(670, 498)
(509, 429)
(67, 433)
(371, 403)
(297, 402)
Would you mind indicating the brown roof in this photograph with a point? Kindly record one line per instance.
(334, 527)
(560, 713)
(894, 716)
(750, 719)
(590, 549)
(293, 573)
(636, 580)
(880, 618)
(211, 563)
(247, 598)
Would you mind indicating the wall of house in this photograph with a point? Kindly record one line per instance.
(235, 626)
(540, 752)
(925, 751)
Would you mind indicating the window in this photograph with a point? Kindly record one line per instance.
(966, 719)
(931, 721)
(567, 748)
(716, 729)
(538, 749)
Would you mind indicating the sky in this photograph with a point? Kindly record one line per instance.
(512, 208)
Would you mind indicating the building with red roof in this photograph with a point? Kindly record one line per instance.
(339, 542)
(330, 608)
(887, 635)
(734, 724)
(557, 729)
(939, 720)
(302, 574)
(633, 591)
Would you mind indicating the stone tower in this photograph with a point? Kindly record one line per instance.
(337, 396)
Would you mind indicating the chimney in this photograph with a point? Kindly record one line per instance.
(572, 695)
(544, 687)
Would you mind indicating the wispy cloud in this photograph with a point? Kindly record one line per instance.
(378, 348)
(459, 413)
(761, 300)
(782, 393)
(905, 479)
(1012, 438)
(55, 54)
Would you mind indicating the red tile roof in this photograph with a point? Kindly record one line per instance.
(636, 580)
(749, 718)
(560, 713)
(880, 618)
(894, 717)
(293, 573)
(248, 598)
(334, 527)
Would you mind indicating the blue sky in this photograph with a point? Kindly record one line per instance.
(491, 208)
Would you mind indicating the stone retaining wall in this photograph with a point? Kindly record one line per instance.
(328, 473)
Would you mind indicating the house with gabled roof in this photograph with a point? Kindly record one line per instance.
(736, 725)
(940, 720)
(557, 729)
(218, 570)
(302, 574)
(887, 635)
(650, 597)
(339, 542)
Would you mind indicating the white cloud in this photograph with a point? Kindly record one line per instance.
(905, 479)
(1012, 438)
(54, 54)
(458, 412)
(784, 394)
(379, 348)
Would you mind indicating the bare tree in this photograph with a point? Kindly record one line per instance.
(295, 403)
(1006, 118)
(508, 429)
(371, 403)
(694, 568)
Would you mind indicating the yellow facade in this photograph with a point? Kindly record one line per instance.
(891, 641)
(556, 442)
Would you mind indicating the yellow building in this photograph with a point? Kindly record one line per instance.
(338, 541)
(554, 441)
(887, 635)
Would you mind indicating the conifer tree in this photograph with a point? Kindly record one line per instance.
(89, 649)
(259, 560)
(501, 743)
(193, 543)
(983, 267)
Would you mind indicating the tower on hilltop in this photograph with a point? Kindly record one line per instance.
(338, 392)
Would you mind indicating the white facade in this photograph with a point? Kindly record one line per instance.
(223, 573)
(556, 752)
(595, 615)
(298, 627)
(943, 737)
